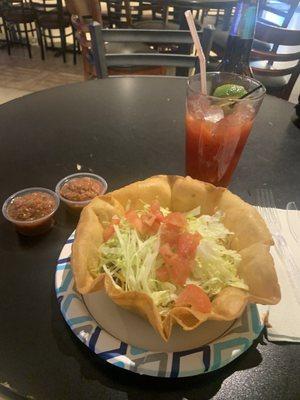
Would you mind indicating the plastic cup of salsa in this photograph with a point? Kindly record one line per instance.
(77, 190)
(31, 210)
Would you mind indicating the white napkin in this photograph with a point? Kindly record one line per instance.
(284, 318)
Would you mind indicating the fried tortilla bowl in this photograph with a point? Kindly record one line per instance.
(251, 238)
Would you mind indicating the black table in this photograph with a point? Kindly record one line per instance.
(124, 129)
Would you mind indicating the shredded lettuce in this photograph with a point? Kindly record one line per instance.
(132, 260)
(209, 226)
(215, 266)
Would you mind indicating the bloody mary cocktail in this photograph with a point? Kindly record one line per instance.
(217, 128)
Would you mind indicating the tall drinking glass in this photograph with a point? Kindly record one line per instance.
(217, 128)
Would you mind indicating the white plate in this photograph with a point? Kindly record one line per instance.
(128, 341)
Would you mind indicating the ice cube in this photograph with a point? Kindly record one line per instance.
(214, 114)
(198, 105)
(245, 110)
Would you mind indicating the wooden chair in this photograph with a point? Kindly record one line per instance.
(103, 60)
(126, 13)
(82, 14)
(275, 8)
(278, 81)
(279, 13)
(122, 13)
(157, 7)
(3, 42)
(50, 14)
(118, 14)
(86, 10)
(15, 13)
(282, 9)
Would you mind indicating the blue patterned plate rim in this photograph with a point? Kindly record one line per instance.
(197, 361)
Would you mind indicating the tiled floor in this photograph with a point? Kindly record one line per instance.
(20, 75)
(7, 94)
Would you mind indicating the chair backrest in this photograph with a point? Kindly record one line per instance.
(87, 10)
(44, 6)
(277, 13)
(102, 60)
(9, 7)
(278, 37)
(48, 10)
(12, 2)
(118, 15)
(7, 4)
(136, 9)
(125, 12)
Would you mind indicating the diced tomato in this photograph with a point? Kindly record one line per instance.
(152, 219)
(178, 267)
(155, 206)
(154, 228)
(148, 219)
(162, 274)
(110, 231)
(193, 296)
(166, 252)
(175, 219)
(150, 224)
(115, 220)
(155, 210)
(134, 220)
(188, 243)
(169, 236)
(179, 270)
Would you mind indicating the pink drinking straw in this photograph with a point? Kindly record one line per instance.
(201, 56)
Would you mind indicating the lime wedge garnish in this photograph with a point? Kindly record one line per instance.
(230, 90)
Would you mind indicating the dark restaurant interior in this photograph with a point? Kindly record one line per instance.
(150, 191)
(47, 43)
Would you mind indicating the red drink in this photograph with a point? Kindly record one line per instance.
(216, 133)
(214, 149)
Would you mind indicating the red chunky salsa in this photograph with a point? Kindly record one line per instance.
(31, 206)
(81, 189)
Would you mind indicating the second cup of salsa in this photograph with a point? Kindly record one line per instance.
(217, 128)
(77, 190)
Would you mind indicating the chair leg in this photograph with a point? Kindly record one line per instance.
(45, 39)
(40, 41)
(78, 46)
(87, 73)
(203, 15)
(6, 37)
(27, 40)
(63, 43)
(217, 17)
(19, 38)
(226, 18)
(51, 38)
(32, 30)
(74, 47)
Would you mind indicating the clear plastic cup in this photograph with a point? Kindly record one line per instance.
(75, 206)
(217, 128)
(31, 227)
